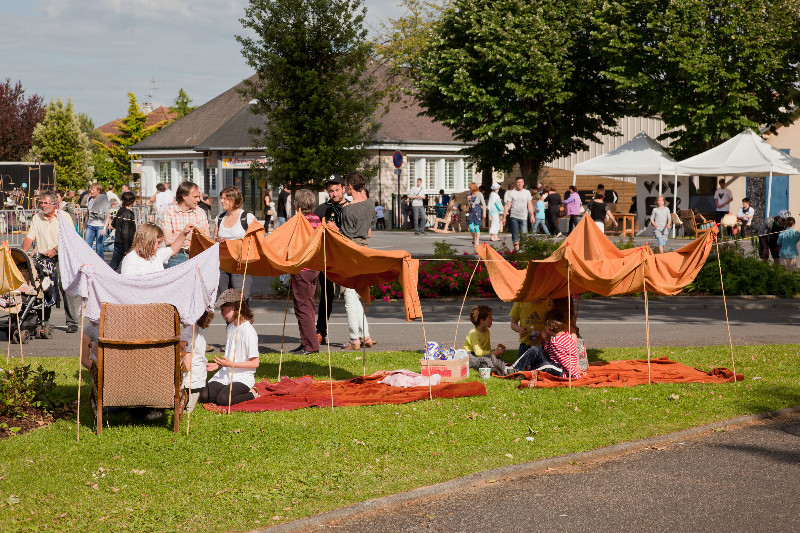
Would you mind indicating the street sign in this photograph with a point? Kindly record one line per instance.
(398, 171)
(397, 159)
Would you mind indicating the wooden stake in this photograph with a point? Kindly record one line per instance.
(424, 335)
(325, 295)
(646, 321)
(238, 321)
(455, 339)
(283, 333)
(80, 368)
(189, 394)
(725, 304)
(19, 336)
(569, 320)
(363, 344)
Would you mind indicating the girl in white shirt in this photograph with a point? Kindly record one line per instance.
(241, 355)
(145, 256)
(231, 225)
(193, 347)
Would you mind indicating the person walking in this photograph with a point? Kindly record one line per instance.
(553, 206)
(417, 197)
(495, 207)
(518, 211)
(661, 222)
(43, 230)
(98, 218)
(282, 208)
(476, 213)
(573, 204)
(304, 283)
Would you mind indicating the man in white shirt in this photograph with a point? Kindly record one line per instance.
(113, 199)
(518, 210)
(43, 230)
(744, 216)
(722, 198)
(417, 195)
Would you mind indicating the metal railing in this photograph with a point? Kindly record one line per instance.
(14, 223)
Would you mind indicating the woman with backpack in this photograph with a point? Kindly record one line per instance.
(232, 223)
(124, 224)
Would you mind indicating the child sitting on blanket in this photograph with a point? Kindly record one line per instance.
(479, 345)
(558, 354)
(241, 355)
(194, 355)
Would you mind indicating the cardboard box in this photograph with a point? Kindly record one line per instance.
(451, 371)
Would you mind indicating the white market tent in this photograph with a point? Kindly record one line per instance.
(641, 157)
(747, 154)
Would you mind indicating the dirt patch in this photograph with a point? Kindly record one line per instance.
(35, 418)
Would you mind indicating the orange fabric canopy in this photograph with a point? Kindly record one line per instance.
(296, 245)
(596, 265)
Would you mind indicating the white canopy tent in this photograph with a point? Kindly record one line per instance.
(641, 157)
(747, 154)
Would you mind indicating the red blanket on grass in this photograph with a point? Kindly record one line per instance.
(288, 394)
(627, 374)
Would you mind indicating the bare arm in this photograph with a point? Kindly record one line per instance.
(177, 243)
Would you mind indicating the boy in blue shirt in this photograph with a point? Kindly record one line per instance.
(787, 240)
(539, 220)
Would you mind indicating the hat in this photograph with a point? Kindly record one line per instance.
(784, 213)
(334, 179)
(228, 296)
(495, 186)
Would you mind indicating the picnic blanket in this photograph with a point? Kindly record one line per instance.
(288, 394)
(628, 373)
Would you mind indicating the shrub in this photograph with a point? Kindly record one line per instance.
(22, 387)
(744, 275)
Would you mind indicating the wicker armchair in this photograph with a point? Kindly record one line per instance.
(138, 359)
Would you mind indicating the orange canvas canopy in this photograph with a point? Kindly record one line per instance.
(596, 265)
(296, 245)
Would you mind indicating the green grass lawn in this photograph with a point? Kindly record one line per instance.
(250, 470)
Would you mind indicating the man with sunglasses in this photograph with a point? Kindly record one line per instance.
(43, 230)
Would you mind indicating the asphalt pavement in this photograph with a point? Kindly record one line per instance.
(739, 475)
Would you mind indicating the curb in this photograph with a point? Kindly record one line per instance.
(507, 473)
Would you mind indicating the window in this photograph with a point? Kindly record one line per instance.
(412, 173)
(186, 171)
(469, 173)
(163, 172)
(449, 174)
(430, 174)
(212, 178)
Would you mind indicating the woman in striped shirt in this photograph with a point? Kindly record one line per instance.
(558, 354)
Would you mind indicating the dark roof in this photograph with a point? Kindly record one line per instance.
(223, 124)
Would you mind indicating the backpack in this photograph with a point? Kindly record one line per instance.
(242, 219)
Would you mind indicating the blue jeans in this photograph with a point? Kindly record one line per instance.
(540, 223)
(517, 226)
(281, 221)
(177, 259)
(93, 237)
(419, 218)
(537, 359)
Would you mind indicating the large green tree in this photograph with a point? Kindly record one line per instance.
(132, 129)
(181, 106)
(58, 139)
(709, 68)
(314, 87)
(18, 116)
(522, 79)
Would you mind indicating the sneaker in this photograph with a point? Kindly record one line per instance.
(560, 234)
(154, 415)
(72, 328)
(298, 349)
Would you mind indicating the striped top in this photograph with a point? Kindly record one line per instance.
(563, 350)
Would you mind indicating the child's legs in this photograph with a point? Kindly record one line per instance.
(240, 393)
(209, 393)
(356, 321)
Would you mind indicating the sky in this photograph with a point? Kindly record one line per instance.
(97, 51)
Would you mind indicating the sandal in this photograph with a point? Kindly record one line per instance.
(369, 343)
(352, 344)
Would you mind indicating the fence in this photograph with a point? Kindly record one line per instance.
(14, 223)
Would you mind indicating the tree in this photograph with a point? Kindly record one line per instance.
(18, 117)
(87, 127)
(710, 69)
(522, 80)
(402, 40)
(58, 139)
(181, 104)
(314, 87)
(132, 130)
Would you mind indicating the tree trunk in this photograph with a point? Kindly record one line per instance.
(530, 169)
(486, 179)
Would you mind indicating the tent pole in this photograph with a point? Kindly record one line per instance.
(455, 339)
(646, 319)
(189, 394)
(424, 335)
(675, 201)
(80, 369)
(13, 298)
(283, 333)
(238, 321)
(725, 304)
(574, 177)
(363, 344)
(569, 320)
(769, 194)
(660, 184)
(325, 295)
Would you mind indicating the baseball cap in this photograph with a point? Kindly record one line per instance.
(784, 213)
(495, 186)
(334, 179)
(228, 296)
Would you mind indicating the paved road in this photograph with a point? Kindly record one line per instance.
(604, 323)
(739, 478)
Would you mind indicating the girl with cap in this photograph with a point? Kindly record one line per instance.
(241, 355)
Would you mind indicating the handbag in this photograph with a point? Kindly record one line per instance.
(270, 212)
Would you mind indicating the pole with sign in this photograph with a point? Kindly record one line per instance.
(397, 160)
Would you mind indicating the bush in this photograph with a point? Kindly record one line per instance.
(744, 275)
(22, 387)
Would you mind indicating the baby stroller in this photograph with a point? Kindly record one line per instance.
(30, 305)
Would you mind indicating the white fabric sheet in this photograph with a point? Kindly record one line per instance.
(191, 286)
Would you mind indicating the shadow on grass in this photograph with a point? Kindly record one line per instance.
(295, 368)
